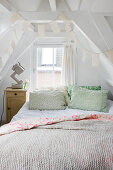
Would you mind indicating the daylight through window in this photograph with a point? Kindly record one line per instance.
(49, 66)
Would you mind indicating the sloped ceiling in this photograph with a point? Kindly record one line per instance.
(88, 16)
(64, 5)
(97, 5)
(91, 23)
(25, 5)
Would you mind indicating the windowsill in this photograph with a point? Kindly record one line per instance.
(49, 69)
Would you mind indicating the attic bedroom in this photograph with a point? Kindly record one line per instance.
(56, 84)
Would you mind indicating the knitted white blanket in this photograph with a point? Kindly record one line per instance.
(68, 145)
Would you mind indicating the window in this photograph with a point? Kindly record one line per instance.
(48, 66)
(47, 57)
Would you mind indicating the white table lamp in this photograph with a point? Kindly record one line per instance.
(18, 69)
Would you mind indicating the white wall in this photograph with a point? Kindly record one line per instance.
(102, 75)
(87, 75)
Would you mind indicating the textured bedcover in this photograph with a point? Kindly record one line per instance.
(69, 145)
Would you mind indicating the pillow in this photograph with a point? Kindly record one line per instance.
(87, 87)
(61, 88)
(47, 100)
(84, 99)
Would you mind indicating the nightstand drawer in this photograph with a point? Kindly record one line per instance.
(15, 98)
(16, 94)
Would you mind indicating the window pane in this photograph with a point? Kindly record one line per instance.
(49, 64)
(47, 56)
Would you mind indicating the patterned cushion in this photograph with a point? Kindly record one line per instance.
(87, 87)
(47, 100)
(61, 88)
(85, 99)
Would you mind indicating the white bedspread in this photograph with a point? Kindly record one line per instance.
(83, 141)
(25, 113)
(86, 144)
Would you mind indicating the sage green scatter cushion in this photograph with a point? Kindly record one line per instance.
(85, 99)
(47, 100)
(87, 87)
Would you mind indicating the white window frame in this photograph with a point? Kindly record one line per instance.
(35, 59)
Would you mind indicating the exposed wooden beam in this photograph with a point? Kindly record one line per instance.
(7, 5)
(26, 40)
(105, 31)
(55, 35)
(88, 28)
(103, 13)
(10, 9)
(41, 17)
(79, 5)
(7, 30)
(53, 4)
(3, 9)
(35, 17)
(73, 4)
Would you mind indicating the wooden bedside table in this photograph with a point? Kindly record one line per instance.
(15, 98)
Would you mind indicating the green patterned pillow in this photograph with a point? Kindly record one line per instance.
(47, 100)
(87, 87)
(85, 99)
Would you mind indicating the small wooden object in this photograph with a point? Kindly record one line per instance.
(15, 98)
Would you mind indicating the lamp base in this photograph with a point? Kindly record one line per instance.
(17, 86)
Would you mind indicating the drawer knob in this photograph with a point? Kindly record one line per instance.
(15, 94)
(8, 108)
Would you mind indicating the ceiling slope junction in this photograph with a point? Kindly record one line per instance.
(92, 22)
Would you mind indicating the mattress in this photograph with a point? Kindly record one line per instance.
(25, 113)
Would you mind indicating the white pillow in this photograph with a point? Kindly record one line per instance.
(47, 100)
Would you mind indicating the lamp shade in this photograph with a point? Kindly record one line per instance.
(18, 68)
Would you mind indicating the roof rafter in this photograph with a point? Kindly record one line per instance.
(107, 38)
(79, 5)
(39, 17)
(7, 5)
(53, 4)
(24, 43)
(11, 9)
(73, 4)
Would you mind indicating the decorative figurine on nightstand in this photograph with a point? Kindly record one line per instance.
(18, 69)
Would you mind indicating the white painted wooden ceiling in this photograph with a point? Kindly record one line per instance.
(62, 5)
(92, 22)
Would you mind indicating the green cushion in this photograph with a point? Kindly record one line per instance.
(47, 100)
(87, 87)
(84, 99)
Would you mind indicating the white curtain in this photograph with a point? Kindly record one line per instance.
(69, 66)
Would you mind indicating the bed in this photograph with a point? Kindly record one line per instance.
(26, 113)
(68, 139)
